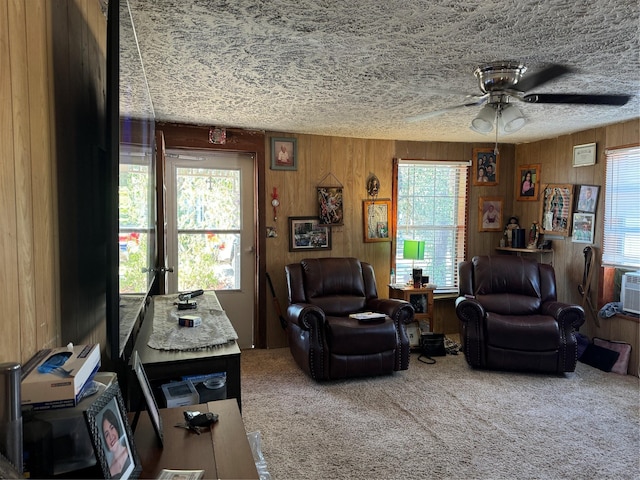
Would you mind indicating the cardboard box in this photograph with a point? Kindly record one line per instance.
(43, 391)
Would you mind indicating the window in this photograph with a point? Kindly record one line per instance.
(431, 206)
(621, 242)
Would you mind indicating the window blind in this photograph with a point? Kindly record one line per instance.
(432, 206)
(621, 241)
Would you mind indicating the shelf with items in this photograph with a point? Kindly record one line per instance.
(420, 298)
(531, 251)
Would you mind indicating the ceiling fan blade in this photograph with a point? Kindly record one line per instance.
(532, 81)
(428, 115)
(577, 99)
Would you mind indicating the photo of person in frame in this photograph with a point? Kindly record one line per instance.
(115, 442)
(587, 198)
(285, 156)
(528, 185)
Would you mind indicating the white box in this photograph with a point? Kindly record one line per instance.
(42, 391)
(178, 394)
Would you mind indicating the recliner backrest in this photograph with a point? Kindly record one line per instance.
(510, 284)
(338, 286)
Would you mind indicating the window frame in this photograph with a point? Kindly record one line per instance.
(463, 212)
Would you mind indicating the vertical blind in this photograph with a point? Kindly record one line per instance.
(621, 243)
(432, 207)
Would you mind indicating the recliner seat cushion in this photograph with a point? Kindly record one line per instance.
(534, 333)
(347, 336)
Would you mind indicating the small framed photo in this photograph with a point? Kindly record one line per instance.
(376, 215)
(111, 435)
(583, 227)
(490, 214)
(584, 155)
(307, 233)
(284, 154)
(587, 198)
(147, 393)
(486, 166)
(528, 182)
(556, 208)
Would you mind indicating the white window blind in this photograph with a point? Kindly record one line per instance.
(431, 206)
(621, 243)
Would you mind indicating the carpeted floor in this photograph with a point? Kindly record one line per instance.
(442, 421)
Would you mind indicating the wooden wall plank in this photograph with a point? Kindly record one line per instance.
(10, 339)
(42, 179)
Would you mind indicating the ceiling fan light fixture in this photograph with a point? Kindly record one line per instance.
(511, 119)
(483, 123)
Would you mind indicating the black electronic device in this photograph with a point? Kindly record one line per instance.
(186, 305)
(191, 294)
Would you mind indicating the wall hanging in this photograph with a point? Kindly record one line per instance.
(490, 214)
(557, 202)
(486, 165)
(377, 224)
(528, 182)
(330, 208)
(284, 154)
(307, 233)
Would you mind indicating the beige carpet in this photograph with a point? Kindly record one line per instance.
(442, 421)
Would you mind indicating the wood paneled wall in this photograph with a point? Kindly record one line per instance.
(45, 48)
(556, 158)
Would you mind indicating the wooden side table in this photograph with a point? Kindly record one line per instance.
(222, 452)
(420, 298)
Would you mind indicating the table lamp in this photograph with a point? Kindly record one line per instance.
(414, 250)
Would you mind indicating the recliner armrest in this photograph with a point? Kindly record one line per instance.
(564, 313)
(305, 315)
(469, 309)
(396, 309)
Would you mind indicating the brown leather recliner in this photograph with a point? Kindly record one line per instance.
(511, 319)
(324, 341)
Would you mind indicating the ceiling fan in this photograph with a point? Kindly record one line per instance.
(504, 81)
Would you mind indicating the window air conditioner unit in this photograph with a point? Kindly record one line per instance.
(630, 292)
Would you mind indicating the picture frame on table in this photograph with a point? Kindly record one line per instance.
(556, 208)
(528, 182)
(587, 198)
(149, 399)
(307, 233)
(490, 214)
(111, 435)
(486, 167)
(377, 224)
(584, 155)
(284, 153)
(583, 227)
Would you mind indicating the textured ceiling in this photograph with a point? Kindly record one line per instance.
(360, 68)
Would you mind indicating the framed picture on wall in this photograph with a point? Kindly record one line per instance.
(307, 233)
(528, 182)
(584, 155)
(377, 224)
(583, 227)
(486, 166)
(284, 155)
(587, 198)
(557, 204)
(490, 214)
